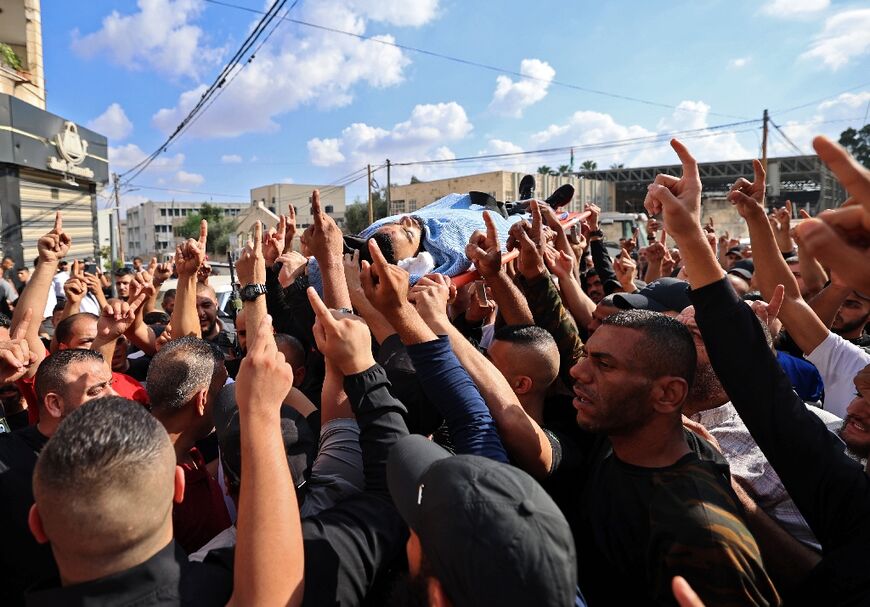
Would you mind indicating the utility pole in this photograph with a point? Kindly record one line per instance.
(389, 196)
(116, 180)
(765, 120)
(371, 210)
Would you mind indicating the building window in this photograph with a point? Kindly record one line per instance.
(163, 212)
(328, 208)
(412, 205)
(55, 194)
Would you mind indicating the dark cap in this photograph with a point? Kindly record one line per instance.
(735, 251)
(489, 531)
(662, 295)
(742, 273)
(745, 264)
(299, 443)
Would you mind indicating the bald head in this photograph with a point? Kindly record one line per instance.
(527, 356)
(104, 486)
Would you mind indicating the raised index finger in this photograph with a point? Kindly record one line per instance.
(537, 227)
(58, 222)
(855, 178)
(203, 233)
(690, 165)
(316, 212)
(320, 310)
(378, 259)
(258, 237)
(491, 231)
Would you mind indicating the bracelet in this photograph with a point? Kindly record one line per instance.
(596, 234)
(344, 310)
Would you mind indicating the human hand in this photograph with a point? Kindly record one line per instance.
(342, 338)
(767, 312)
(683, 593)
(655, 253)
(264, 377)
(74, 289)
(560, 263)
(678, 200)
(780, 221)
(840, 238)
(385, 285)
(142, 283)
(529, 240)
(749, 197)
(190, 255)
(161, 274)
(631, 243)
(594, 214)
(431, 295)
(15, 355)
(152, 266)
(652, 227)
(117, 317)
(164, 338)
(290, 229)
(55, 244)
(273, 242)
(323, 238)
(292, 266)
(626, 271)
(251, 266)
(352, 272)
(483, 250)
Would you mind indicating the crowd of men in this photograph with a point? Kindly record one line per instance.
(685, 423)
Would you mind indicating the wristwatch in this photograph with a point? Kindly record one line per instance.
(252, 292)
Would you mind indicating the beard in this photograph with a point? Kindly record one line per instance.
(848, 327)
(705, 385)
(859, 451)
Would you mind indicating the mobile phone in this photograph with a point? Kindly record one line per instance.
(480, 285)
(90, 268)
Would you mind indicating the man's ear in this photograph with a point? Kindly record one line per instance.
(668, 394)
(522, 384)
(34, 521)
(179, 485)
(201, 401)
(299, 375)
(53, 405)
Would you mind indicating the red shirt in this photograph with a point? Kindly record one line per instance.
(202, 514)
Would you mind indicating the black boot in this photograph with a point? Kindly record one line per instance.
(561, 197)
(527, 187)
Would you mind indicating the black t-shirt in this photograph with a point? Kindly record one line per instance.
(641, 526)
(23, 561)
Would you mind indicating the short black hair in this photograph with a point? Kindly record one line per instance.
(20, 268)
(107, 439)
(181, 368)
(295, 346)
(64, 329)
(51, 374)
(169, 293)
(156, 317)
(385, 244)
(667, 348)
(124, 271)
(523, 335)
(5, 321)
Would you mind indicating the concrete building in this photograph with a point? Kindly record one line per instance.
(47, 163)
(150, 226)
(21, 70)
(278, 197)
(503, 185)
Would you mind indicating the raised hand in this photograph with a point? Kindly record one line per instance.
(767, 312)
(626, 271)
(251, 266)
(594, 214)
(264, 377)
(342, 338)
(483, 250)
(55, 244)
(117, 317)
(190, 255)
(161, 274)
(780, 221)
(292, 266)
(273, 242)
(323, 238)
(529, 240)
(75, 287)
(384, 284)
(678, 200)
(15, 354)
(290, 229)
(351, 272)
(749, 197)
(840, 238)
(142, 283)
(431, 295)
(560, 263)
(164, 338)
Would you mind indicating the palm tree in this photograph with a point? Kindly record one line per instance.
(544, 170)
(589, 165)
(617, 165)
(564, 170)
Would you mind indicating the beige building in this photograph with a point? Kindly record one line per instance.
(21, 70)
(278, 197)
(502, 185)
(257, 211)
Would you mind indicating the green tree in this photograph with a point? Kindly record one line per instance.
(415, 180)
(858, 143)
(617, 165)
(544, 170)
(564, 170)
(356, 215)
(219, 228)
(589, 165)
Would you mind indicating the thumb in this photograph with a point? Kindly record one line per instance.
(663, 195)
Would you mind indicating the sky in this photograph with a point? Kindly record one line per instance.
(314, 106)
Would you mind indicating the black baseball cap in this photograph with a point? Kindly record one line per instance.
(662, 295)
(299, 442)
(490, 533)
(735, 251)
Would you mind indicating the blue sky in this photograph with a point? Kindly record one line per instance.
(314, 106)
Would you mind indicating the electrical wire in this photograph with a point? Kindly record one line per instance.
(819, 100)
(784, 136)
(477, 64)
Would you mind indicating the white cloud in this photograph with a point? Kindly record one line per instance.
(499, 146)
(288, 180)
(305, 67)
(512, 98)
(831, 118)
(159, 37)
(739, 62)
(231, 159)
(844, 37)
(126, 156)
(185, 178)
(792, 8)
(113, 123)
(585, 127)
(424, 136)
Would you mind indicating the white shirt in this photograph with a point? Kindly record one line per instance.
(58, 281)
(838, 362)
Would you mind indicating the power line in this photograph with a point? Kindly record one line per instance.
(477, 64)
(819, 100)
(784, 136)
(136, 186)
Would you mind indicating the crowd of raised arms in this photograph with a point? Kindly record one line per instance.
(685, 423)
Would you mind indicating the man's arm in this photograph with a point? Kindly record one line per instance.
(52, 248)
(189, 256)
(269, 563)
(575, 300)
(326, 244)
